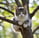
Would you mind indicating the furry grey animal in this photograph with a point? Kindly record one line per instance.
(22, 17)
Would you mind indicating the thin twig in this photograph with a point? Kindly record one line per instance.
(3, 3)
(7, 10)
(35, 29)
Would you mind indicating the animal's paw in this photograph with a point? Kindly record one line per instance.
(25, 26)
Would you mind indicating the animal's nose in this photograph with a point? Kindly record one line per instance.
(21, 14)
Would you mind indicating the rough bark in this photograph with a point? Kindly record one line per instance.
(18, 3)
(27, 33)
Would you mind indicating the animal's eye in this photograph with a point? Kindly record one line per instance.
(27, 21)
(20, 9)
(18, 13)
(24, 12)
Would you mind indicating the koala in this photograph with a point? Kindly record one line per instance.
(22, 17)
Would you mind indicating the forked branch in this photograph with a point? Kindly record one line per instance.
(33, 13)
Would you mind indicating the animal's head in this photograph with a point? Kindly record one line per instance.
(21, 12)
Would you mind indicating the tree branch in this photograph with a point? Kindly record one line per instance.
(18, 3)
(25, 2)
(35, 29)
(3, 3)
(7, 20)
(10, 21)
(7, 10)
(3, 18)
(33, 13)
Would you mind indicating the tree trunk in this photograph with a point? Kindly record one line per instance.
(27, 33)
